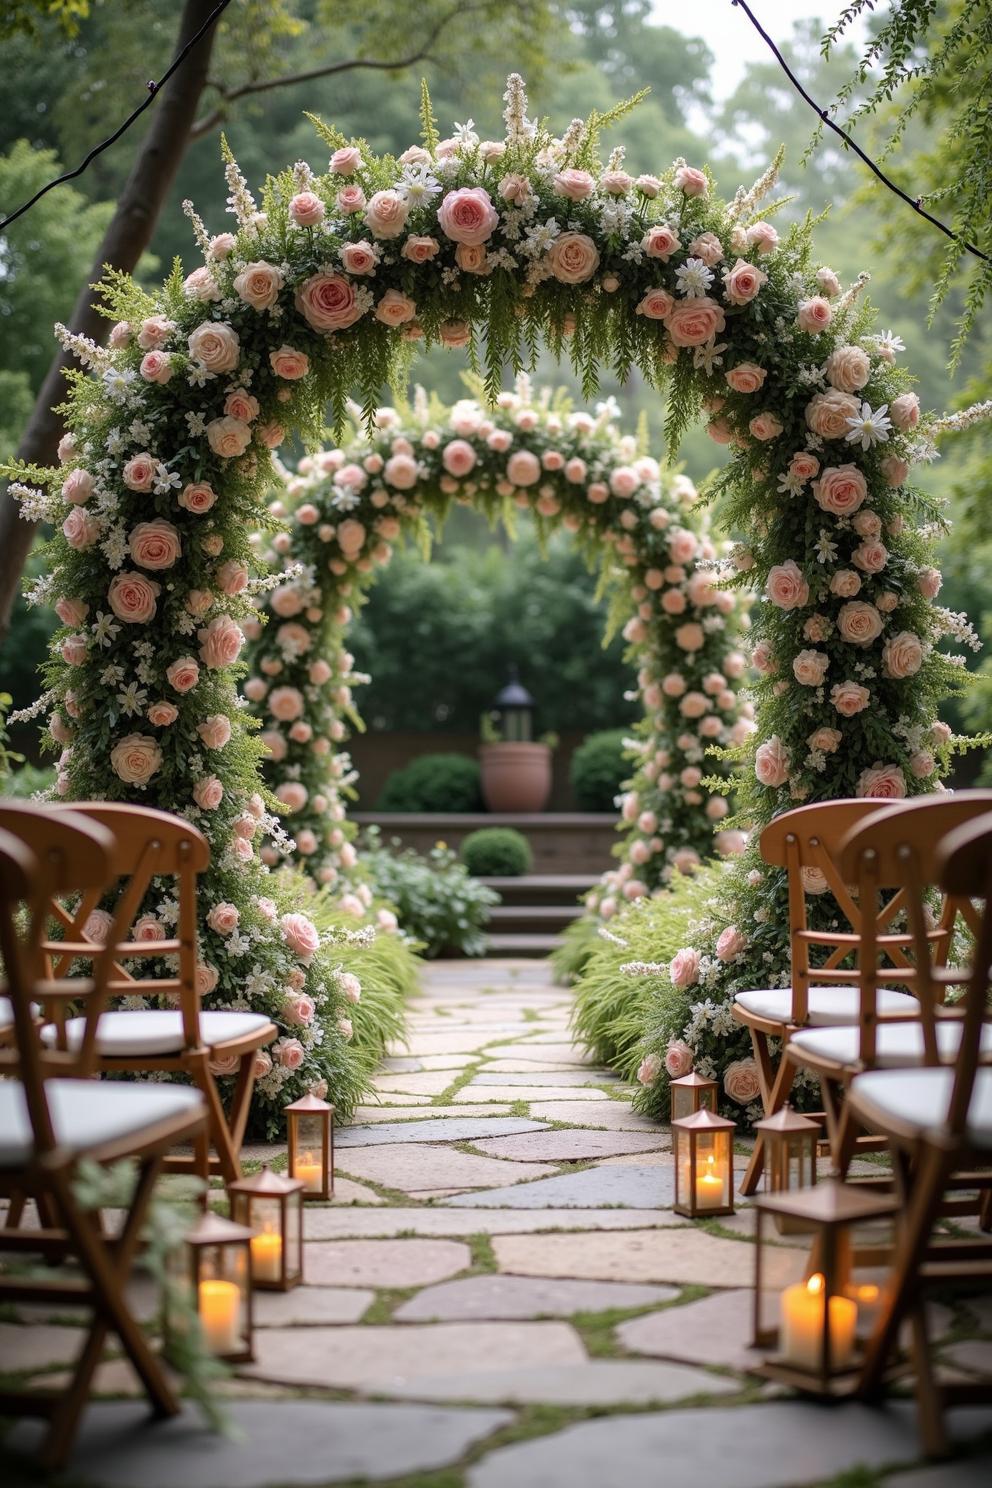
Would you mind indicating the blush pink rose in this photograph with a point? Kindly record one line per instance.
(660, 242)
(155, 545)
(74, 649)
(306, 209)
(848, 368)
(928, 582)
(849, 698)
(386, 214)
(197, 497)
(895, 470)
(135, 759)
(201, 285)
(825, 740)
(133, 598)
(694, 322)
(224, 917)
(78, 486)
(395, 309)
(810, 667)
(232, 577)
(472, 258)
(573, 258)
(98, 925)
(258, 285)
(741, 1082)
(523, 468)
(827, 413)
(208, 793)
(220, 642)
(683, 969)
(455, 333)
(574, 184)
(289, 1053)
(345, 162)
(285, 703)
(746, 377)
(301, 935)
(859, 623)
(156, 366)
(183, 674)
(228, 437)
(139, 472)
(786, 586)
(763, 236)
(765, 426)
(742, 283)
(71, 611)
(293, 795)
(771, 762)
(904, 411)
(360, 257)
(841, 490)
(730, 943)
(870, 556)
(298, 1010)
(678, 1059)
(215, 345)
(657, 304)
(693, 182)
(328, 302)
(215, 731)
(814, 314)
(350, 199)
(845, 583)
(902, 655)
(289, 363)
(80, 529)
(881, 782)
(458, 457)
(468, 216)
(242, 405)
(351, 536)
(708, 247)
(419, 249)
(275, 744)
(804, 465)
(649, 1069)
(690, 637)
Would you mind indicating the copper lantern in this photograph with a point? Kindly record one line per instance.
(311, 1146)
(219, 1281)
(271, 1206)
(704, 1165)
(691, 1094)
(789, 1144)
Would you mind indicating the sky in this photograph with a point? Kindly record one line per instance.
(731, 37)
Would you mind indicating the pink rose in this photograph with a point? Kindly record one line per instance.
(139, 472)
(155, 545)
(222, 246)
(849, 698)
(786, 587)
(845, 583)
(386, 214)
(71, 611)
(97, 926)
(419, 249)
(730, 943)
(762, 235)
(573, 258)
(360, 257)
(742, 282)
(827, 414)
(201, 285)
(904, 411)
(300, 934)
(624, 481)
(395, 309)
(154, 332)
(741, 1082)
(828, 282)
(286, 601)
(814, 314)
(78, 486)
(197, 497)
(242, 405)
(215, 731)
(523, 468)
(133, 598)
(258, 285)
(895, 470)
(848, 368)
(576, 185)
(80, 529)
(859, 623)
(902, 655)
(922, 764)
(293, 639)
(514, 188)
(810, 667)
(345, 162)
(881, 782)
(458, 457)
(765, 426)
(683, 969)
(693, 182)
(135, 759)
(468, 216)
(708, 247)
(289, 1053)
(657, 304)
(350, 199)
(319, 673)
(156, 366)
(220, 642)
(771, 762)
(285, 703)
(455, 333)
(216, 346)
(208, 793)
(228, 437)
(328, 302)
(472, 258)
(870, 556)
(841, 489)
(690, 637)
(298, 1010)
(198, 602)
(825, 740)
(746, 377)
(306, 209)
(351, 536)
(183, 674)
(231, 577)
(224, 918)
(660, 242)
(289, 363)
(804, 465)
(649, 1069)
(678, 1059)
(695, 321)
(928, 582)
(275, 744)
(74, 649)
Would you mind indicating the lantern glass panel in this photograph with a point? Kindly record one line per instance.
(267, 1244)
(687, 1099)
(703, 1171)
(222, 1284)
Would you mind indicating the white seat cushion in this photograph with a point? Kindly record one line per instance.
(153, 1031)
(87, 1114)
(6, 1013)
(918, 1100)
(827, 1005)
(897, 1045)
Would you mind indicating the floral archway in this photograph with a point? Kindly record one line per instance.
(499, 246)
(346, 507)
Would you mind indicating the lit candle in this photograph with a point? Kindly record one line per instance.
(709, 1186)
(803, 1312)
(220, 1307)
(310, 1172)
(868, 1299)
(266, 1256)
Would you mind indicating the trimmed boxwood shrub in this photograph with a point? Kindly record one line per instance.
(436, 900)
(434, 782)
(597, 769)
(497, 852)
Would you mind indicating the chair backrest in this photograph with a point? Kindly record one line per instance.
(806, 843)
(150, 844)
(964, 870)
(47, 855)
(896, 852)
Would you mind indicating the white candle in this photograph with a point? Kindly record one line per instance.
(869, 1300)
(310, 1172)
(802, 1317)
(266, 1256)
(709, 1186)
(220, 1308)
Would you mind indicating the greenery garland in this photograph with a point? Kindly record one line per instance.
(318, 294)
(346, 508)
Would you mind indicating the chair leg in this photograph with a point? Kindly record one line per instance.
(933, 1435)
(241, 1102)
(15, 1211)
(219, 1132)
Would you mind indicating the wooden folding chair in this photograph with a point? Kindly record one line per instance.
(805, 842)
(938, 1122)
(892, 858)
(179, 1037)
(51, 1118)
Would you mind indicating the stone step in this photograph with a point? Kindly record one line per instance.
(542, 888)
(561, 841)
(502, 944)
(533, 917)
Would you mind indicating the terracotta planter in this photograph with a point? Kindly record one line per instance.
(515, 777)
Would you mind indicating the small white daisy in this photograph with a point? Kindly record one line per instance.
(869, 427)
(693, 278)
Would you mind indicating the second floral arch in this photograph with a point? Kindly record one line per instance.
(345, 508)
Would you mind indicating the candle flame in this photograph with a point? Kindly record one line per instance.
(816, 1283)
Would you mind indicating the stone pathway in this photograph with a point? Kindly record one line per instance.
(501, 1294)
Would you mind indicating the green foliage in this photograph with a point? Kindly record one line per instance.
(611, 1006)
(576, 944)
(434, 782)
(25, 782)
(598, 768)
(497, 852)
(435, 899)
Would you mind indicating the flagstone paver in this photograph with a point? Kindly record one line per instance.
(385, 1358)
(409, 1166)
(337, 1224)
(384, 1263)
(552, 1077)
(571, 1055)
(504, 1297)
(688, 1255)
(569, 1146)
(314, 1304)
(716, 1329)
(426, 1082)
(599, 1382)
(647, 1187)
(475, 1092)
(462, 1126)
(36, 1346)
(387, 1112)
(607, 1115)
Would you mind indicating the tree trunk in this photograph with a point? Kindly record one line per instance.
(127, 236)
